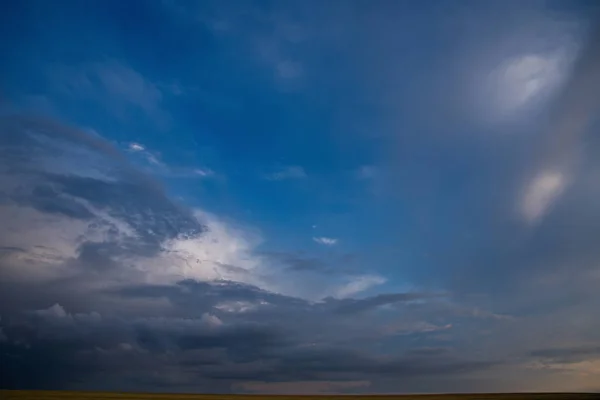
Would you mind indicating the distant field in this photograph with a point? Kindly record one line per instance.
(48, 395)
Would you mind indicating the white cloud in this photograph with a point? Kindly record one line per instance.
(514, 84)
(204, 172)
(159, 167)
(206, 257)
(357, 285)
(239, 306)
(540, 194)
(149, 156)
(136, 147)
(211, 320)
(326, 241)
(524, 77)
(291, 172)
(55, 311)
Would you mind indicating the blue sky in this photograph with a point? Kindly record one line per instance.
(179, 178)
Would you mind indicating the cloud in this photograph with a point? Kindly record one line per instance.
(110, 80)
(367, 172)
(136, 147)
(54, 311)
(151, 162)
(211, 320)
(358, 284)
(110, 215)
(149, 157)
(204, 172)
(568, 355)
(327, 241)
(125, 351)
(541, 193)
(409, 328)
(118, 225)
(289, 69)
(291, 172)
(352, 306)
(575, 110)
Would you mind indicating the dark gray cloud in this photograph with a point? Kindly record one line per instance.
(326, 264)
(197, 297)
(46, 198)
(80, 348)
(194, 297)
(351, 306)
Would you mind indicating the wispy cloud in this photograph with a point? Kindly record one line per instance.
(367, 172)
(148, 155)
(204, 172)
(112, 84)
(290, 172)
(357, 285)
(157, 166)
(326, 241)
(541, 193)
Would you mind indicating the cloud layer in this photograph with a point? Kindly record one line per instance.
(299, 197)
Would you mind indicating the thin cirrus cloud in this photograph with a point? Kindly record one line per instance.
(286, 173)
(111, 84)
(161, 168)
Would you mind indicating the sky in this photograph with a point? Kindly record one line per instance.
(300, 196)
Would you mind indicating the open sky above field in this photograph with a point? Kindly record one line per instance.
(300, 196)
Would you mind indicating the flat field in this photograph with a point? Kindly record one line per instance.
(56, 395)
